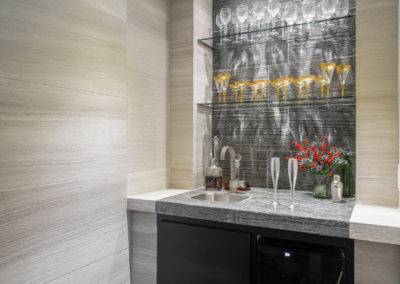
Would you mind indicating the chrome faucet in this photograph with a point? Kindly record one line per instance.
(233, 183)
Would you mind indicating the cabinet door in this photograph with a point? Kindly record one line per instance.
(189, 254)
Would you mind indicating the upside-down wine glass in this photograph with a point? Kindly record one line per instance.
(273, 9)
(308, 9)
(292, 171)
(342, 9)
(226, 16)
(327, 73)
(275, 165)
(342, 71)
(242, 12)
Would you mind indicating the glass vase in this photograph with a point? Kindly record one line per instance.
(322, 189)
(347, 173)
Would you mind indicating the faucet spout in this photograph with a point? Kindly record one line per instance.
(232, 156)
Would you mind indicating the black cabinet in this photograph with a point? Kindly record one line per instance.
(192, 251)
(190, 254)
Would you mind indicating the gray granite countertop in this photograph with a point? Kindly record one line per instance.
(310, 215)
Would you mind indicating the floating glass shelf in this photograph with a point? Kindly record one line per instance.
(347, 100)
(210, 41)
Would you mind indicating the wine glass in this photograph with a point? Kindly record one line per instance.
(251, 21)
(224, 82)
(273, 9)
(308, 8)
(275, 165)
(342, 71)
(235, 87)
(328, 8)
(291, 10)
(236, 24)
(292, 171)
(285, 83)
(241, 85)
(242, 12)
(219, 25)
(342, 9)
(218, 85)
(262, 84)
(307, 81)
(277, 85)
(226, 16)
(327, 73)
(322, 82)
(258, 12)
(254, 86)
(300, 84)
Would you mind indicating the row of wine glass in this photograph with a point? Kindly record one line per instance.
(328, 69)
(264, 15)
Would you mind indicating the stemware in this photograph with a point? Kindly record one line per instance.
(236, 29)
(285, 83)
(224, 82)
(277, 85)
(299, 83)
(254, 86)
(241, 85)
(329, 7)
(258, 12)
(273, 9)
(308, 9)
(307, 81)
(242, 12)
(261, 84)
(219, 25)
(292, 171)
(226, 16)
(291, 10)
(342, 71)
(342, 9)
(327, 73)
(218, 85)
(235, 87)
(251, 21)
(322, 82)
(275, 165)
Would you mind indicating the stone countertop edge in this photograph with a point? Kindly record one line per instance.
(375, 224)
(314, 216)
(146, 202)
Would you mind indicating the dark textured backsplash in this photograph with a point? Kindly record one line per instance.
(259, 133)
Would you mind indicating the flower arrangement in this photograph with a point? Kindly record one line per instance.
(321, 160)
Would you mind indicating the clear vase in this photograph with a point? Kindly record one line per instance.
(322, 189)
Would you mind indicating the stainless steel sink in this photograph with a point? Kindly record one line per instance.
(221, 197)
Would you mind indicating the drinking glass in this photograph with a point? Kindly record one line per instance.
(226, 17)
(285, 83)
(224, 82)
(307, 81)
(241, 85)
(292, 171)
(342, 71)
(291, 10)
(342, 9)
(236, 24)
(299, 83)
(277, 85)
(322, 82)
(235, 87)
(328, 8)
(254, 86)
(273, 9)
(251, 21)
(308, 8)
(327, 73)
(258, 12)
(275, 165)
(242, 12)
(219, 26)
(262, 84)
(218, 85)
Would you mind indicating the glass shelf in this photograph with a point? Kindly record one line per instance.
(210, 41)
(347, 100)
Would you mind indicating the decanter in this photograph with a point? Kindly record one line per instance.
(214, 180)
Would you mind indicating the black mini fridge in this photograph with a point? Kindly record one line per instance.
(287, 262)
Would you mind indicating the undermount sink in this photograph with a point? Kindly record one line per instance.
(221, 197)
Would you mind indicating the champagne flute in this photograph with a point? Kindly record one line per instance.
(273, 9)
(327, 73)
(322, 82)
(292, 171)
(342, 71)
(224, 82)
(275, 165)
(258, 12)
(219, 26)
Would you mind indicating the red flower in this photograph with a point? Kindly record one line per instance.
(293, 142)
(325, 138)
(287, 158)
(331, 173)
(301, 167)
(314, 164)
(299, 159)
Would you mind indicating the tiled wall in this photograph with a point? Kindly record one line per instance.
(261, 132)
